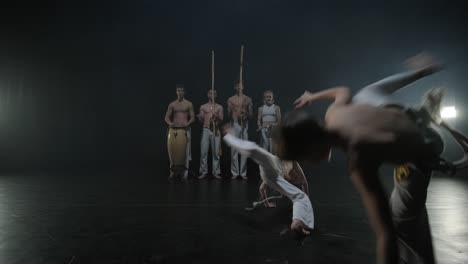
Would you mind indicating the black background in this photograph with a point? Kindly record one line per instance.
(87, 83)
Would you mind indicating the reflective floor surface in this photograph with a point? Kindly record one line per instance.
(140, 217)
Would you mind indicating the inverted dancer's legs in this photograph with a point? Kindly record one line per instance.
(271, 171)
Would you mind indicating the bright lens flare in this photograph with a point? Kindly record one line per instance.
(448, 112)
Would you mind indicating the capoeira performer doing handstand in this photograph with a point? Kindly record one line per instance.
(292, 172)
(271, 172)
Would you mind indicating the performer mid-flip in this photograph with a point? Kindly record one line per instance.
(269, 115)
(374, 130)
(291, 172)
(271, 172)
(179, 116)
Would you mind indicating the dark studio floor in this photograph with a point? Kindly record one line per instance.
(134, 216)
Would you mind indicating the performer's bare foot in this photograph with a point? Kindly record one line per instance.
(217, 176)
(202, 176)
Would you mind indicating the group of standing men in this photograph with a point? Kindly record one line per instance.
(180, 116)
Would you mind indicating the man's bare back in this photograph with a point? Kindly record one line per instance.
(380, 132)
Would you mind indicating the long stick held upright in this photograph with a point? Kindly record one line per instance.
(212, 76)
(213, 123)
(241, 83)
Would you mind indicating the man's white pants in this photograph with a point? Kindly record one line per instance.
(237, 170)
(266, 139)
(210, 139)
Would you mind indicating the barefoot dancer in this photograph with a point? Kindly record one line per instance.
(271, 171)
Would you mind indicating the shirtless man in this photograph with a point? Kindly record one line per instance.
(211, 115)
(269, 115)
(180, 114)
(239, 110)
(371, 135)
(411, 180)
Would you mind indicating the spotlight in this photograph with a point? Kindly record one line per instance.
(448, 112)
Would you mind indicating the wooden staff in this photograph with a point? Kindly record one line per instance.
(241, 84)
(212, 73)
(213, 123)
(213, 105)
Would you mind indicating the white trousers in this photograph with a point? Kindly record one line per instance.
(270, 172)
(239, 165)
(266, 139)
(210, 139)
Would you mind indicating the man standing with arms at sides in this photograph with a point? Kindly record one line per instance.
(269, 115)
(211, 115)
(180, 115)
(239, 110)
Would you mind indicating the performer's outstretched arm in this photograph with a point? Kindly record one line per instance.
(341, 95)
(264, 195)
